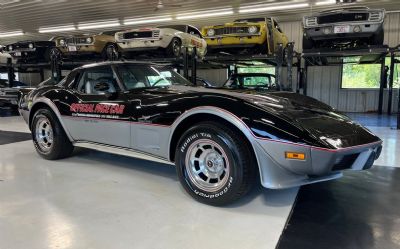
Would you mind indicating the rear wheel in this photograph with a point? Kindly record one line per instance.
(174, 49)
(48, 136)
(213, 164)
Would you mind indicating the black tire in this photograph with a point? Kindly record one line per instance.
(378, 38)
(111, 52)
(174, 48)
(60, 147)
(235, 161)
(263, 48)
(307, 43)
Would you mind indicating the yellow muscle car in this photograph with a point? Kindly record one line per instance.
(102, 44)
(254, 35)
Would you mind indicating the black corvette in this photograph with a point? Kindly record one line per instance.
(220, 139)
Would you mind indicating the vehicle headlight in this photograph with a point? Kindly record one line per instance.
(89, 40)
(30, 45)
(252, 29)
(10, 48)
(120, 36)
(211, 32)
(327, 30)
(62, 42)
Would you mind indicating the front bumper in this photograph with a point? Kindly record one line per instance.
(367, 30)
(319, 165)
(234, 41)
(81, 50)
(143, 44)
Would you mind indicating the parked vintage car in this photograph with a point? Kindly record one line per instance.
(252, 35)
(83, 46)
(5, 57)
(354, 26)
(30, 51)
(219, 139)
(169, 40)
(9, 95)
(256, 81)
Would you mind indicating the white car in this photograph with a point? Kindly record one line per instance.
(168, 39)
(4, 57)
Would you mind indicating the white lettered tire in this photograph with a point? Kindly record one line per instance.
(213, 164)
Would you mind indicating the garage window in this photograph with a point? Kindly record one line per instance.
(365, 76)
(270, 70)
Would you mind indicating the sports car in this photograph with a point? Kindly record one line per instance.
(83, 46)
(169, 40)
(219, 139)
(30, 51)
(350, 26)
(252, 35)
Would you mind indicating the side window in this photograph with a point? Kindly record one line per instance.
(277, 26)
(97, 81)
(132, 77)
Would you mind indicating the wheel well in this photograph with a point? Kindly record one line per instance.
(34, 109)
(202, 117)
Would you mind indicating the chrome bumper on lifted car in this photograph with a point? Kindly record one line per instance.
(354, 31)
(296, 164)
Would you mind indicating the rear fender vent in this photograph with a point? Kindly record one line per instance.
(346, 162)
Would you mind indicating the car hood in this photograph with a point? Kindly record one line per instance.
(318, 119)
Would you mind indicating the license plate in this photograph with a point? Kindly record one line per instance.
(72, 48)
(18, 54)
(342, 29)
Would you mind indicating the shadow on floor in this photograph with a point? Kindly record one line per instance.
(374, 119)
(360, 210)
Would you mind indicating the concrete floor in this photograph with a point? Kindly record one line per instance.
(98, 200)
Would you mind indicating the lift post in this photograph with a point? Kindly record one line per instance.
(382, 83)
(280, 54)
(194, 66)
(391, 79)
(289, 63)
(10, 72)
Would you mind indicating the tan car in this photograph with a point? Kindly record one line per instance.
(98, 45)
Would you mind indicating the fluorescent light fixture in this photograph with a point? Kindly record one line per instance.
(269, 7)
(99, 24)
(11, 33)
(204, 14)
(144, 20)
(56, 29)
(329, 2)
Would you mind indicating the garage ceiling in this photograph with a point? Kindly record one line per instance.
(29, 15)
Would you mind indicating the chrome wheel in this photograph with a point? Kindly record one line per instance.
(176, 48)
(44, 134)
(207, 165)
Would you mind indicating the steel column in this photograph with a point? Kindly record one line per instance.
(391, 78)
(381, 86)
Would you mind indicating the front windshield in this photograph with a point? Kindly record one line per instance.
(142, 76)
(265, 81)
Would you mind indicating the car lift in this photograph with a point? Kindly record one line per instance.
(368, 55)
(12, 68)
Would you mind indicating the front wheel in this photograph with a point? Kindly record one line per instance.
(213, 164)
(48, 136)
(174, 49)
(111, 53)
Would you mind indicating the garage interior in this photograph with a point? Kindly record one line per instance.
(96, 199)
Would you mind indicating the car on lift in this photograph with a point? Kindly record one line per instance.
(246, 36)
(30, 51)
(86, 46)
(170, 41)
(344, 27)
(252, 81)
(219, 139)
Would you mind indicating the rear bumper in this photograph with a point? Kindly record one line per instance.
(319, 165)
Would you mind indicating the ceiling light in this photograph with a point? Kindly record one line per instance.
(147, 20)
(263, 7)
(329, 2)
(100, 24)
(56, 29)
(203, 14)
(11, 33)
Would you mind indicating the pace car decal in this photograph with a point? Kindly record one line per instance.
(97, 110)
